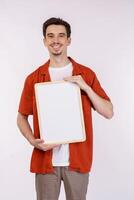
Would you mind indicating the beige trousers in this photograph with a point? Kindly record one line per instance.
(75, 184)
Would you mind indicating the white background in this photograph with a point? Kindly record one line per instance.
(103, 38)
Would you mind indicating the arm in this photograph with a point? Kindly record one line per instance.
(25, 129)
(102, 106)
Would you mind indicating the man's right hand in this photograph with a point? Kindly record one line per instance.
(25, 128)
(39, 144)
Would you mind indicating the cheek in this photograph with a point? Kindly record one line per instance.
(48, 42)
(49, 45)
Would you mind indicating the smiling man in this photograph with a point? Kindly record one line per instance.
(70, 163)
(57, 40)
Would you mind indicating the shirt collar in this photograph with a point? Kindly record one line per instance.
(76, 67)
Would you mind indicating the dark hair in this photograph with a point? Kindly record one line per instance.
(56, 21)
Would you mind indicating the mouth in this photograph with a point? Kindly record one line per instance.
(56, 47)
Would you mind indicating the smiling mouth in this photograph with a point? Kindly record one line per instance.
(56, 47)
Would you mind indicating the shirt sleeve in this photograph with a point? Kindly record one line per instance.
(26, 100)
(96, 86)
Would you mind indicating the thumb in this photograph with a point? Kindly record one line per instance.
(39, 140)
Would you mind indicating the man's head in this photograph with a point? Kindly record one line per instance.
(56, 21)
(56, 36)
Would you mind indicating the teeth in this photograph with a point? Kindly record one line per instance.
(56, 46)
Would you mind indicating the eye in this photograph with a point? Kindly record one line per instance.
(62, 35)
(50, 36)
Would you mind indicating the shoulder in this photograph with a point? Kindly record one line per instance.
(87, 72)
(33, 77)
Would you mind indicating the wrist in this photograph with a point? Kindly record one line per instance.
(31, 140)
(87, 88)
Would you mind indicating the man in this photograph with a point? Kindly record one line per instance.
(70, 163)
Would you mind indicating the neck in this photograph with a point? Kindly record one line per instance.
(59, 61)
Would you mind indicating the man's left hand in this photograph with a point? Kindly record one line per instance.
(78, 80)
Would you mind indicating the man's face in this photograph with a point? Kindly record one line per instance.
(56, 40)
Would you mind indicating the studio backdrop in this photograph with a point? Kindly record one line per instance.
(102, 39)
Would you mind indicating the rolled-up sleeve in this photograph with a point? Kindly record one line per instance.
(26, 100)
(96, 86)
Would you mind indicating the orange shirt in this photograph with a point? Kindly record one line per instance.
(80, 153)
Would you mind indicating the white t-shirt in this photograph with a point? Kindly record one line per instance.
(60, 155)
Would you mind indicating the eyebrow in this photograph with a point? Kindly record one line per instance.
(62, 33)
(48, 34)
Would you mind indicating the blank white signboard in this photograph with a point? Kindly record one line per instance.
(60, 113)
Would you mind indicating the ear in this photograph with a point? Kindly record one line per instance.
(69, 41)
(44, 41)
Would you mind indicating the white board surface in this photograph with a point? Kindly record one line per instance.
(60, 112)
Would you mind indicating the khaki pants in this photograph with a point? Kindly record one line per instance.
(75, 184)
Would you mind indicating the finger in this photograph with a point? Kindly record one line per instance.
(39, 140)
(46, 147)
(51, 145)
(71, 80)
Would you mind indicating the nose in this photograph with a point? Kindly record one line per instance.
(56, 40)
